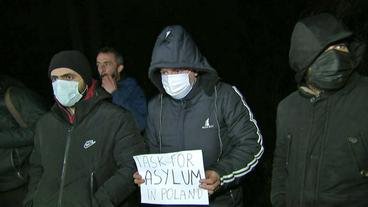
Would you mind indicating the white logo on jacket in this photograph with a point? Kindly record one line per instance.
(207, 124)
(89, 143)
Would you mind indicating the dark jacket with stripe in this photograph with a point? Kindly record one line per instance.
(88, 162)
(321, 155)
(213, 117)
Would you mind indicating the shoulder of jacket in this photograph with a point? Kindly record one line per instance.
(223, 88)
(226, 91)
(130, 81)
(111, 109)
(289, 100)
(46, 118)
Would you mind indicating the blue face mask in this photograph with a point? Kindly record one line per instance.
(66, 92)
(176, 85)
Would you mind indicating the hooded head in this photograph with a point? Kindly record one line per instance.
(174, 48)
(311, 36)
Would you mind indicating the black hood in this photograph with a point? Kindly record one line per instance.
(174, 48)
(311, 36)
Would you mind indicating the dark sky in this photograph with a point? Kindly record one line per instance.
(247, 41)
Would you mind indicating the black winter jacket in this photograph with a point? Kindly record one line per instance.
(321, 155)
(213, 117)
(16, 142)
(88, 162)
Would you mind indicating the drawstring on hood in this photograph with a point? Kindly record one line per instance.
(174, 48)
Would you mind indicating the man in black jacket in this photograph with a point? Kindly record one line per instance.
(20, 109)
(195, 110)
(84, 145)
(321, 155)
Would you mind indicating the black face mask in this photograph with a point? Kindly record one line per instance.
(330, 70)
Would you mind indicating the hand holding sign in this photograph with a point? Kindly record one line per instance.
(171, 178)
(212, 181)
(138, 178)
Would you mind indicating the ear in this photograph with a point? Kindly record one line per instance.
(120, 68)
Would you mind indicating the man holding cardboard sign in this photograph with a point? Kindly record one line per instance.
(196, 111)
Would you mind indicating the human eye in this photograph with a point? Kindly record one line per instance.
(54, 78)
(68, 77)
(342, 47)
(339, 47)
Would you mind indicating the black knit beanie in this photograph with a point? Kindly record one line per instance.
(73, 60)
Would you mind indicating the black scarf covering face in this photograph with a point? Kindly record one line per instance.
(331, 70)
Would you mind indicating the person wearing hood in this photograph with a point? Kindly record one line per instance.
(84, 145)
(195, 110)
(20, 109)
(321, 154)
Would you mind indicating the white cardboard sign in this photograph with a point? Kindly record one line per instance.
(172, 178)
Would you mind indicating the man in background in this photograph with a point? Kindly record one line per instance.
(124, 90)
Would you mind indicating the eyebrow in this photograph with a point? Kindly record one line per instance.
(108, 61)
(64, 75)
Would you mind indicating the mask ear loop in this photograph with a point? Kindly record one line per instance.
(85, 89)
(159, 131)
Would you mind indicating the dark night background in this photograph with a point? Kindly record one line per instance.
(247, 41)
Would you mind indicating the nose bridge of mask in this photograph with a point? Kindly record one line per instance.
(66, 86)
(176, 85)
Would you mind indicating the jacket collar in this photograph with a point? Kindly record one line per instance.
(351, 83)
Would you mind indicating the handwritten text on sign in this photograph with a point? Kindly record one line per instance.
(172, 178)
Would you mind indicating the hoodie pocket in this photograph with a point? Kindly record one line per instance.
(16, 162)
(359, 150)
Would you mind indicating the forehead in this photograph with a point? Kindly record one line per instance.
(105, 56)
(174, 69)
(63, 71)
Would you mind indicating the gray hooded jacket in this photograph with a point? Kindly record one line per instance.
(213, 117)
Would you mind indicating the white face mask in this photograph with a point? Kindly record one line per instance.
(66, 92)
(176, 85)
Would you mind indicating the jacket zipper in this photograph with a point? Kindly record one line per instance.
(92, 183)
(323, 144)
(63, 172)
